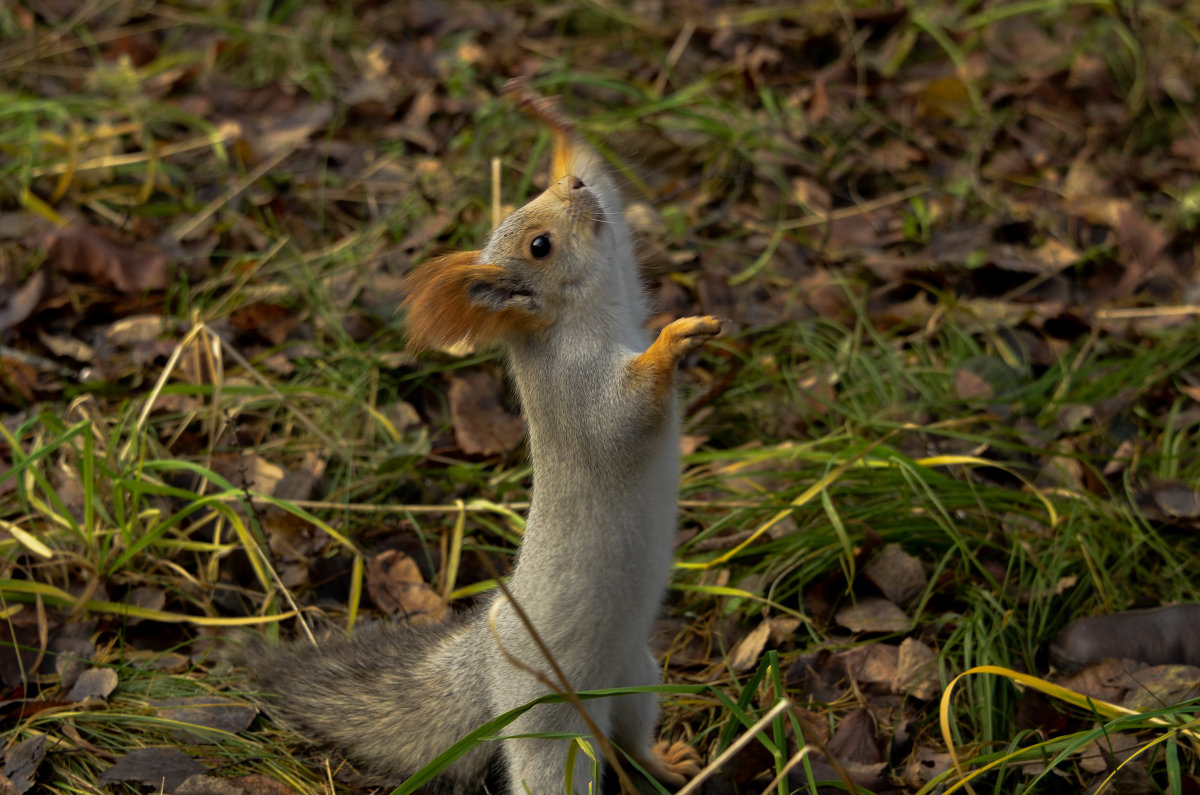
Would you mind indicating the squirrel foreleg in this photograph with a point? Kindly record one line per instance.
(653, 370)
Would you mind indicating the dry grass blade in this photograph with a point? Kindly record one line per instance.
(1087, 703)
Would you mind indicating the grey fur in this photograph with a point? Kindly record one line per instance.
(596, 555)
(357, 695)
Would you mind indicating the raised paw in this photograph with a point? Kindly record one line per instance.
(673, 763)
(652, 372)
(684, 335)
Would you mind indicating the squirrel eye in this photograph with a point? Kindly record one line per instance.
(539, 247)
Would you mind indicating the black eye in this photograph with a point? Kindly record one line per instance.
(539, 247)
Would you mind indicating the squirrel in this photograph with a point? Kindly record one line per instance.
(557, 288)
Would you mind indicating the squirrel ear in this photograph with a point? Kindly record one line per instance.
(455, 297)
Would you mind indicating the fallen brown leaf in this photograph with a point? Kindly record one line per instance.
(745, 654)
(917, 671)
(1108, 751)
(482, 426)
(970, 386)
(17, 381)
(164, 768)
(855, 745)
(271, 322)
(89, 251)
(873, 663)
(1105, 680)
(396, 586)
(872, 614)
(210, 712)
(1161, 686)
(1177, 500)
(94, 683)
(854, 740)
(254, 784)
(289, 131)
(898, 574)
(22, 761)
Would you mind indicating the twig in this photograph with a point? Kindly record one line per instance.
(681, 43)
(796, 759)
(180, 231)
(859, 209)
(1138, 312)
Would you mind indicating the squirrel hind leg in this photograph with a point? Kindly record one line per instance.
(635, 717)
(673, 764)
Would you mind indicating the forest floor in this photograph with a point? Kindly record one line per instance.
(957, 406)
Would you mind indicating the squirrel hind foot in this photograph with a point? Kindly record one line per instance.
(673, 764)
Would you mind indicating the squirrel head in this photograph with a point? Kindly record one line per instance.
(543, 259)
(568, 248)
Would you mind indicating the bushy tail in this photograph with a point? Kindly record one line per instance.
(390, 699)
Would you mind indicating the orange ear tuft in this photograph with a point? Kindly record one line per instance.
(441, 310)
(560, 164)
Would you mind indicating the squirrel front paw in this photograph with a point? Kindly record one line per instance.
(652, 373)
(686, 334)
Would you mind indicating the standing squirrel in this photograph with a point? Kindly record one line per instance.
(557, 289)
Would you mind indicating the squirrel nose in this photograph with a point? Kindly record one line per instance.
(575, 183)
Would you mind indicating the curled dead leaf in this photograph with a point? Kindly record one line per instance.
(747, 651)
(1160, 636)
(21, 302)
(395, 585)
(926, 764)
